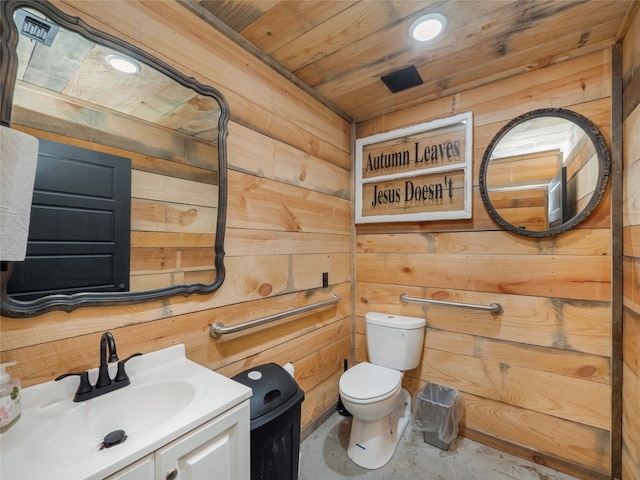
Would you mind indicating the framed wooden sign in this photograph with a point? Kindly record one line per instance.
(416, 173)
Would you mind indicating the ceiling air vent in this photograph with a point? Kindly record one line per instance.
(35, 28)
(402, 79)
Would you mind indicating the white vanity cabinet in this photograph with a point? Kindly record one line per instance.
(142, 469)
(181, 420)
(219, 449)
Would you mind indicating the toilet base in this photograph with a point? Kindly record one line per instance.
(372, 444)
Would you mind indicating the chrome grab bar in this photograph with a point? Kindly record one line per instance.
(217, 329)
(494, 308)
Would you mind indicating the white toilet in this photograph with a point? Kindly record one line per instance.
(373, 393)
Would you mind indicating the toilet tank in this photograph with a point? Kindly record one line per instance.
(394, 341)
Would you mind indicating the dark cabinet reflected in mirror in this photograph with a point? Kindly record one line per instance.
(544, 172)
(62, 85)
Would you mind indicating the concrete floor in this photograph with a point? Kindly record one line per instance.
(323, 456)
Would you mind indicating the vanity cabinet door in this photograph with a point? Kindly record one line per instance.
(143, 469)
(219, 449)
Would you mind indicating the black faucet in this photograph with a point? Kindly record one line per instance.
(104, 384)
(107, 340)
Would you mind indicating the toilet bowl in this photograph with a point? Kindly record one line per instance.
(380, 409)
(372, 391)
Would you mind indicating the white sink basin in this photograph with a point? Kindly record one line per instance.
(62, 433)
(57, 438)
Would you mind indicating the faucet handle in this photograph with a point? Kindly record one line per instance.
(84, 386)
(121, 374)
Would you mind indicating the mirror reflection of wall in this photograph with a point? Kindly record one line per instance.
(526, 182)
(67, 85)
(170, 127)
(542, 172)
(80, 220)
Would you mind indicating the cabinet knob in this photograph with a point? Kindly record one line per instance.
(172, 474)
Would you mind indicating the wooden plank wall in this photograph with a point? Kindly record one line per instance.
(536, 379)
(289, 169)
(631, 254)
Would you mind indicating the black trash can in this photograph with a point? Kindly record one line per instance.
(275, 422)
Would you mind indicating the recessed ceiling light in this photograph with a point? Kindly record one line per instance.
(428, 27)
(122, 63)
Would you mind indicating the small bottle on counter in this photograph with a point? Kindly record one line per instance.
(10, 407)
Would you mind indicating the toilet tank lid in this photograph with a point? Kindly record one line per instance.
(394, 321)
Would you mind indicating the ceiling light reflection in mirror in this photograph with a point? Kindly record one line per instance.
(123, 64)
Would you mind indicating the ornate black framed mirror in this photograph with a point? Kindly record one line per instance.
(544, 172)
(57, 85)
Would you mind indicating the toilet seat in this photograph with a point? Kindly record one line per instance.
(368, 383)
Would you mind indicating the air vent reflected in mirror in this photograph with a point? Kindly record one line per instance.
(35, 28)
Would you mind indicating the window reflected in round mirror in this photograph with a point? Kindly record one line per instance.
(544, 172)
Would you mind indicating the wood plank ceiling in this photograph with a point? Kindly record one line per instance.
(339, 49)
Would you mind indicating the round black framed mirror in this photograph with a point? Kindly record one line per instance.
(544, 172)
